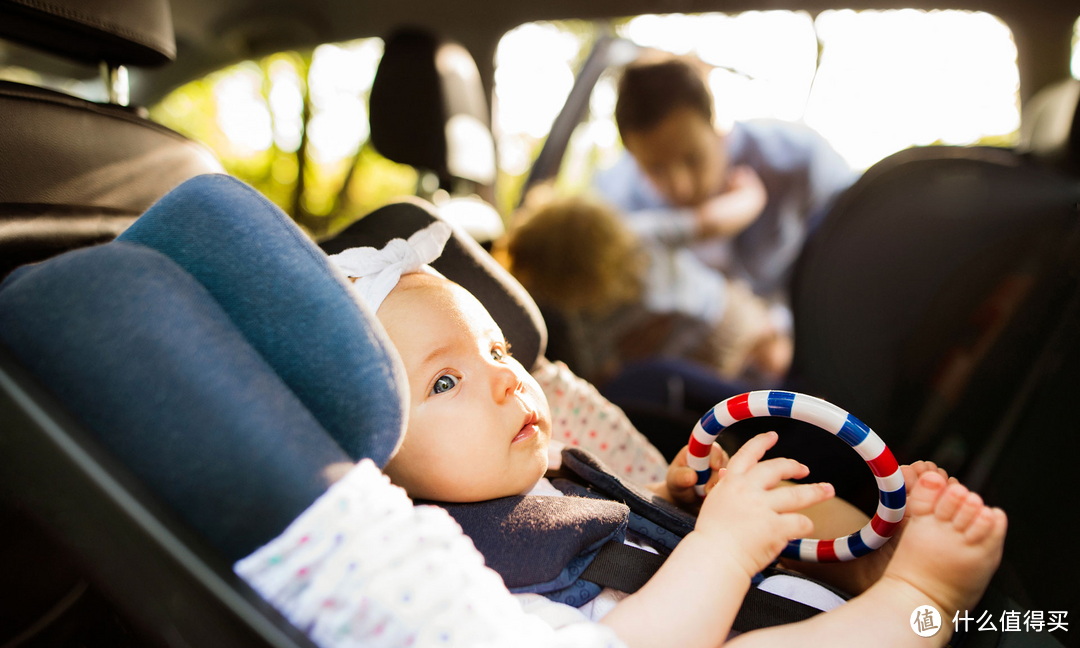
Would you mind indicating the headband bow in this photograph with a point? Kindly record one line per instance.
(378, 271)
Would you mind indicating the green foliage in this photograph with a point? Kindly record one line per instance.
(322, 193)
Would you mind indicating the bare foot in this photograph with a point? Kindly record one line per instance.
(951, 546)
(868, 569)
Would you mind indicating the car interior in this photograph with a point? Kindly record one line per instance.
(938, 298)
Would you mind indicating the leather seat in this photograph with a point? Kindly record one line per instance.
(76, 172)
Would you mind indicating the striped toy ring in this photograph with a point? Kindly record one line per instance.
(891, 494)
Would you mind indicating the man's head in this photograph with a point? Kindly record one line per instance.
(479, 424)
(665, 116)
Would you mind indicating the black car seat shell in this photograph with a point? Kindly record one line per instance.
(464, 262)
(76, 172)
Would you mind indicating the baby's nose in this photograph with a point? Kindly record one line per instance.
(505, 383)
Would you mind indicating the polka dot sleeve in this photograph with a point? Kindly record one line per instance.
(364, 567)
(582, 417)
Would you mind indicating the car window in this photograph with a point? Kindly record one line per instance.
(871, 82)
(295, 126)
(1075, 64)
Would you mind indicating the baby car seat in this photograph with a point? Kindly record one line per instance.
(171, 401)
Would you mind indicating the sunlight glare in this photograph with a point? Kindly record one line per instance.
(339, 80)
(1075, 65)
(242, 113)
(286, 100)
(876, 93)
(531, 89)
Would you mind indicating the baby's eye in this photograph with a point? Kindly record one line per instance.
(444, 384)
(499, 352)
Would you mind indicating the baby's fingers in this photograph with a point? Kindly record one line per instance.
(795, 525)
(799, 496)
(717, 457)
(768, 474)
(751, 452)
(682, 477)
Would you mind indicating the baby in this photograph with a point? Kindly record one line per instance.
(578, 256)
(479, 429)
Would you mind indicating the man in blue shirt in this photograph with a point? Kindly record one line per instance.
(742, 200)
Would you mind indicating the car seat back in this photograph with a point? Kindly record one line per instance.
(76, 172)
(902, 272)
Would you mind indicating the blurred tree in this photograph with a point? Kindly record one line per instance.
(258, 117)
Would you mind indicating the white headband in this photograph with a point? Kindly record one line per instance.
(378, 271)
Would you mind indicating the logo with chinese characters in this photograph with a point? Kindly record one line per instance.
(1013, 621)
(925, 621)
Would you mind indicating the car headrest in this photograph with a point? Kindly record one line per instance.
(142, 355)
(1050, 129)
(428, 108)
(78, 173)
(464, 262)
(120, 32)
(281, 293)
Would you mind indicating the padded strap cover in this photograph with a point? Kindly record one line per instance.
(641, 501)
(532, 541)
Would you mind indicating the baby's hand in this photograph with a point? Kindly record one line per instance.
(747, 517)
(681, 477)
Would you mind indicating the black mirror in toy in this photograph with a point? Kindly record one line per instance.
(892, 496)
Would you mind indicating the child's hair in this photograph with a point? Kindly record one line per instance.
(650, 90)
(576, 255)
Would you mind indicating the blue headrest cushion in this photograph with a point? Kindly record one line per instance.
(280, 292)
(144, 357)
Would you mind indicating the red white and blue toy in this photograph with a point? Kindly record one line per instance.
(892, 497)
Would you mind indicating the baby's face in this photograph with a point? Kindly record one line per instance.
(479, 424)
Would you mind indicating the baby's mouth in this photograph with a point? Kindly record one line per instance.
(529, 428)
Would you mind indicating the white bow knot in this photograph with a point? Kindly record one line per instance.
(378, 271)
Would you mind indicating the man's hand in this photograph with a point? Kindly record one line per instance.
(729, 213)
(745, 514)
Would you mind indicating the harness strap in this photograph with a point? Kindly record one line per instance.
(627, 569)
(622, 567)
(761, 609)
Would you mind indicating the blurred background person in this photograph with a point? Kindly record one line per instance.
(743, 201)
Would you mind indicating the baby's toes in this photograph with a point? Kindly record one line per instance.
(925, 493)
(910, 477)
(982, 527)
(969, 510)
(950, 501)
